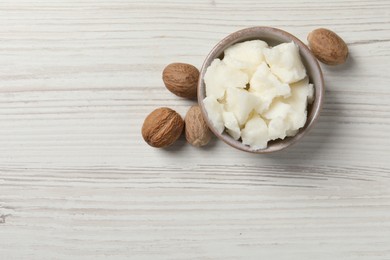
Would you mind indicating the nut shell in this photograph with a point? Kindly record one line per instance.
(181, 79)
(327, 46)
(196, 129)
(162, 127)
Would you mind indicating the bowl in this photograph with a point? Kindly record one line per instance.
(272, 36)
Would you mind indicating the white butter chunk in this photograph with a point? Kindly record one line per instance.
(297, 119)
(255, 133)
(310, 95)
(214, 112)
(267, 86)
(231, 124)
(285, 62)
(279, 123)
(245, 56)
(278, 108)
(219, 77)
(291, 132)
(241, 103)
(277, 128)
(300, 92)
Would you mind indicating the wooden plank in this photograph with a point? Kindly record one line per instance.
(77, 181)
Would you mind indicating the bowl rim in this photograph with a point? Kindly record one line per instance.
(304, 51)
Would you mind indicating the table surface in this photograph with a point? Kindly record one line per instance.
(77, 181)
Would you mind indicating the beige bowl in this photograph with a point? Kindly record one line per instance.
(273, 37)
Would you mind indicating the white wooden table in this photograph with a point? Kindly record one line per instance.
(77, 180)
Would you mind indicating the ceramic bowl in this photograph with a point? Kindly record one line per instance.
(272, 36)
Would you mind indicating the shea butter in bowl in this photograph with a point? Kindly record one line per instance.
(260, 90)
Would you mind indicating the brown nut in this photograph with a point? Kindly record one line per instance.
(327, 46)
(196, 129)
(162, 127)
(181, 79)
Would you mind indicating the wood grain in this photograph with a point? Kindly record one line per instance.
(77, 78)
